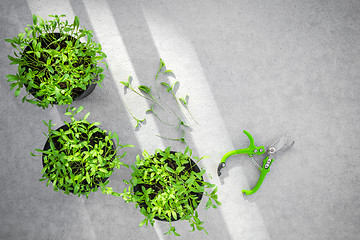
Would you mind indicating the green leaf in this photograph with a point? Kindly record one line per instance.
(79, 109)
(143, 222)
(169, 169)
(21, 35)
(57, 92)
(201, 173)
(214, 191)
(15, 60)
(208, 204)
(76, 189)
(9, 40)
(190, 180)
(162, 63)
(46, 124)
(125, 83)
(116, 137)
(135, 181)
(44, 169)
(127, 145)
(12, 78)
(88, 177)
(217, 202)
(179, 169)
(145, 89)
(174, 215)
(209, 185)
(102, 76)
(86, 116)
(34, 19)
(166, 85)
(17, 92)
(174, 84)
(103, 170)
(183, 101)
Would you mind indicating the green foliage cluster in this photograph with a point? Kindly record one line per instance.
(54, 65)
(80, 156)
(166, 186)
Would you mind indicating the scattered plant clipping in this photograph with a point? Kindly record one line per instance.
(138, 121)
(57, 61)
(151, 110)
(185, 102)
(181, 139)
(79, 156)
(127, 84)
(169, 186)
(147, 93)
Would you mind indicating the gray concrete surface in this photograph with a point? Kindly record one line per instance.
(269, 67)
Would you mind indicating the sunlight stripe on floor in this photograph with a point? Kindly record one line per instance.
(121, 67)
(241, 217)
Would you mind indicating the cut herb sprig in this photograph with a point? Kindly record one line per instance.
(151, 110)
(181, 139)
(138, 121)
(142, 88)
(171, 89)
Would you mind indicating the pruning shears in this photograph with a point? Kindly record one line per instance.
(282, 144)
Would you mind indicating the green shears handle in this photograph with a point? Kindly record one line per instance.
(263, 171)
(252, 149)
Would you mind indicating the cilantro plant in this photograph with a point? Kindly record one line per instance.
(169, 186)
(57, 61)
(78, 157)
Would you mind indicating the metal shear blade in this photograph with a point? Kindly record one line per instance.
(281, 145)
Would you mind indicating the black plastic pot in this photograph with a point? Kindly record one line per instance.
(47, 146)
(76, 96)
(199, 196)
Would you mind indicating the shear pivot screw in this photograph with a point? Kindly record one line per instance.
(255, 150)
(272, 150)
(261, 150)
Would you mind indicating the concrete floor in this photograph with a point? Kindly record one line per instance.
(268, 67)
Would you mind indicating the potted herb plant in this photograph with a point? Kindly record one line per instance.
(58, 62)
(169, 186)
(79, 157)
